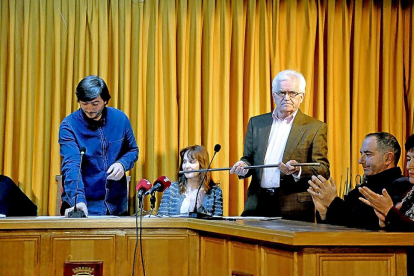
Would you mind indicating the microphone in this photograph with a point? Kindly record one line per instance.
(160, 184)
(195, 214)
(75, 213)
(217, 148)
(143, 186)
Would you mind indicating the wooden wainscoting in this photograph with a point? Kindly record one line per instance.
(88, 247)
(354, 261)
(189, 247)
(166, 252)
(214, 256)
(20, 254)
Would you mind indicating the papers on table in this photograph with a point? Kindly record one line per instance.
(63, 217)
(152, 216)
(251, 218)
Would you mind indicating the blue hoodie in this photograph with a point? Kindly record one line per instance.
(106, 143)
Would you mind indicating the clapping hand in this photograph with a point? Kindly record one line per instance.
(381, 203)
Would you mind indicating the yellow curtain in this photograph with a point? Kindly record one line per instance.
(193, 72)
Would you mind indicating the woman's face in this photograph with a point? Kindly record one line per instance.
(190, 164)
(410, 164)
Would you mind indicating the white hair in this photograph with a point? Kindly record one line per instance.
(288, 74)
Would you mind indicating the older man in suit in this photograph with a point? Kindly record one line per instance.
(285, 136)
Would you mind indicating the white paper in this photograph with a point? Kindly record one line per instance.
(251, 218)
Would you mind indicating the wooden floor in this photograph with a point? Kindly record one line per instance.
(183, 246)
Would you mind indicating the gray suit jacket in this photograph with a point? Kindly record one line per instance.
(306, 143)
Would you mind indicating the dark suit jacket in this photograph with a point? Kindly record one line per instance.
(306, 143)
(352, 212)
(13, 202)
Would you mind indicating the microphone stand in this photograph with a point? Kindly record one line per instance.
(195, 213)
(75, 213)
(153, 199)
(139, 204)
(139, 212)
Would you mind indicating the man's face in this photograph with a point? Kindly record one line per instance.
(286, 103)
(372, 160)
(93, 109)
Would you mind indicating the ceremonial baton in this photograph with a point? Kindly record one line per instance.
(251, 167)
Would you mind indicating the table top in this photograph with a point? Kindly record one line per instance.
(293, 233)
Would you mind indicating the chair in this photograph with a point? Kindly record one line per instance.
(59, 181)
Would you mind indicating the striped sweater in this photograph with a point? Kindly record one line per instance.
(172, 200)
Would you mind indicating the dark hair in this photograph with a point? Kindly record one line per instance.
(91, 87)
(200, 154)
(409, 144)
(386, 142)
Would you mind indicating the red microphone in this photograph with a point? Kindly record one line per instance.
(160, 184)
(143, 186)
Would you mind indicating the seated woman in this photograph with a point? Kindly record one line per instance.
(180, 197)
(401, 216)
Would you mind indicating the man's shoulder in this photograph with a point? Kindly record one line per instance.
(261, 120)
(112, 111)
(71, 117)
(398, 188)
(261, 116)
(391, 179)
(300, 118)
(306, 119)
(402, 179)
(116, 116)
(401, 182)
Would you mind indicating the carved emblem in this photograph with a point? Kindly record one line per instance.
(83, 271)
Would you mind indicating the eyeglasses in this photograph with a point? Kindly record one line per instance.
(282, 94)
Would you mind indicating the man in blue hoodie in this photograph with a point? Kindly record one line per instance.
(99, 184)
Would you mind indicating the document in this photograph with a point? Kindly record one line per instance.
(251, 218)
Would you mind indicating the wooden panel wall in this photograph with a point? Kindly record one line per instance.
(166, 252)
(83, 248)
(181, 251)
(227, 257)
(214, 257)
(19, 255)
(278, 262)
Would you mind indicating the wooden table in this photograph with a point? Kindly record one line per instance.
(184, 246)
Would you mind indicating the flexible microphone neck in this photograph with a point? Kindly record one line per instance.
(78, 213)
(77, 183)
(216, 149)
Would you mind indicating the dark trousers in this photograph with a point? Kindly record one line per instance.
(279, 203)
(269, 202)
(13, 202)
(66, 205)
